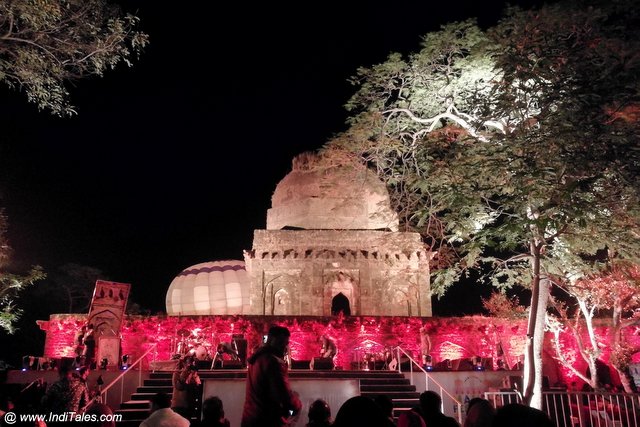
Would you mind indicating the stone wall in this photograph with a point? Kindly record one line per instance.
(356, 337)
(299, 272)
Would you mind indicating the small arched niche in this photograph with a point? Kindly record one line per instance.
(281, 303)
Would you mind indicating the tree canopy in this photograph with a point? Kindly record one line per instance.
(46, 44)
(515, 149)
(11, 284)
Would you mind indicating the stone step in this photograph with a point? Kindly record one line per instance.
(136, 404)
(293, 373)
(155, 389)
(158, 381)
(133, 414)
(398, 411)
(389, 381)
(392, 394)
(406, 403)
(387, 388)
(160, 375)
(143, 396)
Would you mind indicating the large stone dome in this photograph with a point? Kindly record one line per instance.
(218, 287)
(326, 193)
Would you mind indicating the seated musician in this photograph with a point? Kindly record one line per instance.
(228, 348)
(225, 348)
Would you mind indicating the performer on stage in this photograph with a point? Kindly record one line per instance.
(79, 349)
(425, 346)
(328, 350)
(89, 341)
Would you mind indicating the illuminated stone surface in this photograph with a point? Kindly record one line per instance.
(332, 244)
(321, 193)
(300, 272)
(357, 337)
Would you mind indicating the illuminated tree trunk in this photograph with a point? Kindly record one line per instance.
(540, 290)
(622, 360)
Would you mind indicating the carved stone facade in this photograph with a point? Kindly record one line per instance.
(332, 245)
(321, 272)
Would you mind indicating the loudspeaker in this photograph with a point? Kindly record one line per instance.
(300, 364)
(463, 365)
(203, 364)
(232, 364)
(443, 365)
(322, 363)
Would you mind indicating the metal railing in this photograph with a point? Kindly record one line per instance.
(104, 392)
(581, 409)
(427, 380)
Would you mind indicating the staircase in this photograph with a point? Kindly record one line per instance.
(394, 385)
(372, 384)
(136, 409)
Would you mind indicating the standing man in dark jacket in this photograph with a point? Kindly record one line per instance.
(431, 408)
(269, 400)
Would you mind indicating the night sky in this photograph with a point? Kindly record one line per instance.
(173, 162)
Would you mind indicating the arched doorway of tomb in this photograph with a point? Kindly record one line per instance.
(340, 303)
(340, 282)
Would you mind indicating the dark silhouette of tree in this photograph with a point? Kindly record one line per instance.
(74, 285)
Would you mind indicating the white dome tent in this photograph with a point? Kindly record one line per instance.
(218, 287)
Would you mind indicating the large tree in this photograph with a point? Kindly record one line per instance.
(45, 44)
(520, 140)
(10, 283)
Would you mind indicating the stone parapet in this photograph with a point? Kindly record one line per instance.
(354, 244)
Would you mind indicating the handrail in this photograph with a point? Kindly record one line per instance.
(429, 378)
(101, 397)
(570, 408)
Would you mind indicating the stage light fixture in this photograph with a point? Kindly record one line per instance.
(126, 360)
(477, 364)
(427, 362)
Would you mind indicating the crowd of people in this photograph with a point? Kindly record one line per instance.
(269, 400)
(70, 394)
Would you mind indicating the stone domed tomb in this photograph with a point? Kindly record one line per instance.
(332, 245)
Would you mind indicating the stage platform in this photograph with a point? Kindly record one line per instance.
(334, 386)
